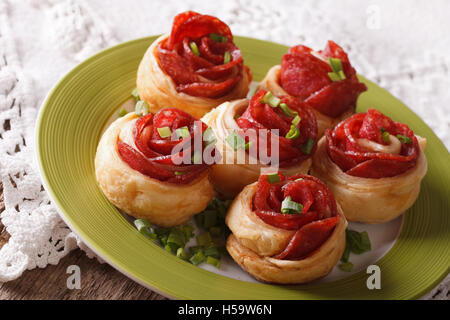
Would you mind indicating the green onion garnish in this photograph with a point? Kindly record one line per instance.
(197, 157)
(213, 261)
(287, 111)
(293, 133)
(164, 132)
(197, 258)
(341, 75)
(248, 145)
(271, 100)
(144, 227)
(358, 242)
(194, 48)
(209, 137)
(182, 254)
(338, 73)
(236, 141)
(226, 57)
(299, 179)
(204, 239)
(308, 146)
(210, 218)
(122, 112)
(182, 132)
(273, 177)
(290, 207)
(135, 95)
(176, 238)
(404, 139)
(296, 120)
(212, 251)
(347, 266)
(384, 134)
(217, 37)
(334, 76)
(142, 108)
(180, 173)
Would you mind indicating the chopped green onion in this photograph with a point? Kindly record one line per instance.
(271, 100)
(299, 179)
(182, 132)
(290, 207)
(194, 249)
(334, 76)
(171, 247)
(346, 253)
(235, 141)
(122, 112)
(248, 145)
(182, 254)
(142, 108)
(204, 239)
(194, 48)
(293, 133)
(335, 64)
(176, 237)
(135, 95)
(217, 37)
(384, 134)
(341, 75)
(197, 157)
(144, 227)
(288, 111)
(296, 120)
(188, 231)
(347, 266)
(197, 258)
(358, 242)
(213, 261)
(404, 139)
(308, 146)
(212, 251)
(210, 219)
(226, 57)
(209, 137)
(180, 173)
(273, 177)
(164, 132)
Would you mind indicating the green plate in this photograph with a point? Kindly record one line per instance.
(68, 130)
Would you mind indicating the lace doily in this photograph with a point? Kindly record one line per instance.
(67, 31)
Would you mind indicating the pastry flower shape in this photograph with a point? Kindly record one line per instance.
(373, 165)
(196, 67)
(286, 230)
(140, 170)
(269, 131)
(325, 80)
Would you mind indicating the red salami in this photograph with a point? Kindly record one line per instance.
(260, 115)
(304, 74)
(153, 154)
(313, 225)
(344, 149)
(200, 64)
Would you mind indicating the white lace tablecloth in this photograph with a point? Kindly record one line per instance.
(404, 47)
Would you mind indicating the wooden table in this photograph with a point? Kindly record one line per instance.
(98, 281)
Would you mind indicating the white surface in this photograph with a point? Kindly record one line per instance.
(404, 48)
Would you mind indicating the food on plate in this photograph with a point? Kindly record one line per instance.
(325, 80)
(245, 131)
(195, 68)
(373, 165)
(286, 230)
(140, 171)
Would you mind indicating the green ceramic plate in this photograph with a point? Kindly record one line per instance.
(68, 130)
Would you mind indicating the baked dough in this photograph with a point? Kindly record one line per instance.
(370, 200)
(159, 90)
(271, 82)
(229, 177)
(253, 242)
(164, 204)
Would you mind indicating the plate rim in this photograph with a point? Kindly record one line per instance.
(80, 233)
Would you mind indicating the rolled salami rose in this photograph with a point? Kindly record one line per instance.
(195, 68)
(141, 172)
(325, 80)
(373, 165)
(286, 230)
(255, 124)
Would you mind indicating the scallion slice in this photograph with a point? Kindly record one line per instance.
(336, 64)
(226, 57)
(144, 227)
(122, 112)
(197, 157)
(308, 146)
(296, 120)
(288, 111)
(142, 108)
(180, 173)
(197, 258)
(290, 207)
(293, 133)
(182, 132)
(271, 100)
(213, 261)
(341, 75)
(334, 76)
(204, 239)
(217, 37)
(182, 254)
(164, 132)
(209, 137)
(273, 177)
(194, 48)
(404, 139)
(235, 141)
(212, 251)
(384, 135)
(135, 95)
(347, 266)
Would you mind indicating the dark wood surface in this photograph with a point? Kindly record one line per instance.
(98, 281)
